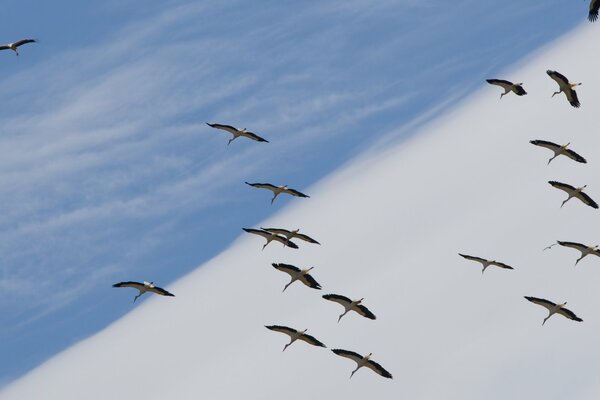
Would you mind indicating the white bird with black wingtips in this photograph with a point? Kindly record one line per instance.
(574, 192)
(565, 87)
(485, 263)
(363, 362)
(270, 237)
(297, 274)
(350, 305)
(143, 288)
(554, 308)
(237, 133)
(508, 86)
(277, 190)
(14, 46)
(295, 335)
(289, 235)
(585, 250)
(559, 150)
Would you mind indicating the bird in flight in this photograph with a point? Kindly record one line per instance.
(237, 133)
(486, 263)
(350, 305)
(14, 46)
(363, 362)
(277, 190)
(554, 308)
(574, 192)
(559, 150)
(143, 288)
(295, 335)
(566, 87)
(508, 86)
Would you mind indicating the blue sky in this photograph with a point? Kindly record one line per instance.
(109, 172)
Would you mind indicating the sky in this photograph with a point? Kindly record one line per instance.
(109, 172)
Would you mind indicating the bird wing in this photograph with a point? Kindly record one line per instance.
(562, 186)
(596, 253)
(288, 243)
(378, 368)
(587, 199)
(558, 78)
(4, 47)
(594, 8)
(309, 281)
(348, 354)
(364, 311)
(136, 285)
(572, 97)
(569, 314)
(500, 82)
(254, 136)
(311, 339)
(160, 291)
(294, 192)
(277, 231)
(227, 128)
(541, 302)
(262, 185)
(573, 245)
(518, 89)
(282, 329)
(472, 258)
(23, 41)
(287, 268)
(306, 238)
(343, 300)
(574, 156)
(258, 232)
(545, 143)
(501, 265)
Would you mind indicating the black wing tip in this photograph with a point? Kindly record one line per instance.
(593, 16)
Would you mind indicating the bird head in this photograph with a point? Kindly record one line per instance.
(368, 356)
(304, 331)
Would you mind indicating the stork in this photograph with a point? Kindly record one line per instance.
(237, 133)
(143, 288)
(559, 150)
(585, 250)
(574, 192)
(566, 87)
(15, 45)
(554, 309)
(270, 237)
(350, 305)
(485, 263)
(289, 235)
(277, 190)
(363, 362)
(295, 335)
(508, 87)
(594, 7)
(297, 274)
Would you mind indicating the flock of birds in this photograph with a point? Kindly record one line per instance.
(285, 236)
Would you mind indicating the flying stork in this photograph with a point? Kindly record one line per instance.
(289, 235)
(237, 133)
(15, 45)
(277, 190)
(363, 362)
(554, 308)
(296, 274)
(566, 87)
(272, 236)
(585, 250)
(485, 263)
(143, 288)
(350, 305)
(559, 150)
(508, 86)
(574, 192)
(295, 335)
(594, 7)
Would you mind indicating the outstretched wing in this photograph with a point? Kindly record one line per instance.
(544, 143)
(306, 238)
(507, 85)
(364, 311)
(136, 285)
(296, 193)
(562, 186)
(254, 136)
(309, 281)
(501, 265)
(312, 340)
(161, 291)
(287, 268)
(262, 185)
(227, 128)
(541, 302)
(569, 314)
(574, 156)
(343, 300)
(573, 245)
(378, 368)
(348, 354)
(282, 329)
(558, 77)
(473, 258)
(23, 41)
(572, 97)
(587, 199)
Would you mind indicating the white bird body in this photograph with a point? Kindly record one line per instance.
(277, 190)
(508, 86)
(565, 87)
(143, 288)
(574, 192)
(559, 150)
(363, 362)
(585, 250)
(350, 305)
(297, 274)
(237, 133)
(485, 263)
(295, 335)
(14, 46)
(554, 308)
(272, 236)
